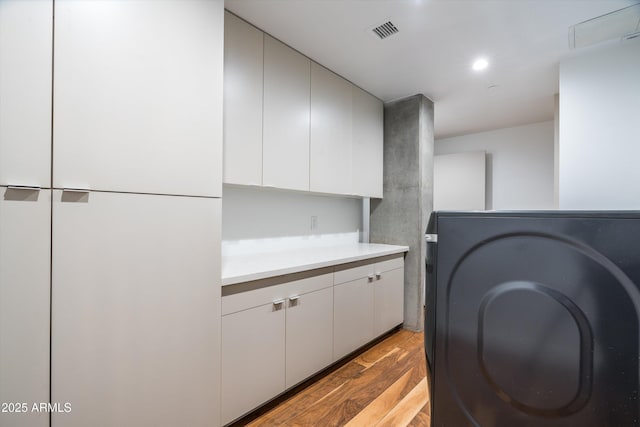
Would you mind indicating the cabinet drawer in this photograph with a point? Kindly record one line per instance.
(353, 273)
(390, 264)
(361, 269)
(273, 292)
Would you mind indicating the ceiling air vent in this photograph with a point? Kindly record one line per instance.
(621, 24)
(385, 30)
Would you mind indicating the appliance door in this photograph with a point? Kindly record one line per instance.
(536, 320)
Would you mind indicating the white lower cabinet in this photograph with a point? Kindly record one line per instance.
(353, 316)
(253, 366)
(368, 301)
(135, 309)
(309, 334)
(25, 224)
(277, 332)
(273, 338)
(388, 300)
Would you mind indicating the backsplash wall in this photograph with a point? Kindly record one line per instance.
(262, 220)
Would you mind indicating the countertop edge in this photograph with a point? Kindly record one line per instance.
(296, 268)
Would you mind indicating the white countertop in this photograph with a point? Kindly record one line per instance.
(243, 268)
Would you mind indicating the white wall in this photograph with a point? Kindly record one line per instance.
(261, 219)
(520, 166)
(600, 128)
(459, 181)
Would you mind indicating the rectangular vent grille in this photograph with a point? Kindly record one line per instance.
(385, 30)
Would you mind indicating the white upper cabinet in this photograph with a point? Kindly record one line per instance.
(291, 123)
(25, 92)
(367, 143)
(243, 64)
(330, 152)
(287, 76)
(138, 96)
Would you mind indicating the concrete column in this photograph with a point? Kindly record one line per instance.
(401, 217)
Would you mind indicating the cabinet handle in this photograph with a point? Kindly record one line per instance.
(76, 190)
(75, 195)
(24, 187)
(378, 275)
(22, 193)
(293, 301)
(370, 277)
(277, 305)
(294, 298)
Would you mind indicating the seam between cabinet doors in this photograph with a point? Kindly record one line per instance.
(262, 121)
(53, 36)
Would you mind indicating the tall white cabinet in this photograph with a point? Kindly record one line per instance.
(136, 264)
(133, 315)
(25, 221)
(110, 224)
(25, 208)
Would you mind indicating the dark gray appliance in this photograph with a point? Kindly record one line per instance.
(532, 318)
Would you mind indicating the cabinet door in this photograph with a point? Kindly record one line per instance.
(25, 230)
(287, 77)
(135, 309)
(330, 155)
(138, 96)
(352, 316)
(243, 57)
(388, 301)
(368, 122)
(309, 335)
(25, 92)
(253, 358)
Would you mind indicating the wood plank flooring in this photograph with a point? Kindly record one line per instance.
(384, 386)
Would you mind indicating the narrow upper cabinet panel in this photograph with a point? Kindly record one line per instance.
(287, 76)
(330, 152)
(243, 65)
(25, 92)
(368, 125)
(138, 96)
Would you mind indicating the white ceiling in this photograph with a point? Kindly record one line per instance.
(524, 41)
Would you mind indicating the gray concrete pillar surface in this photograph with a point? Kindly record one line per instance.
(400, 218)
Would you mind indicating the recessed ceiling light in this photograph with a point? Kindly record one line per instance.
(480, 64)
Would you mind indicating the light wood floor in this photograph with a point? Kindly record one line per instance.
(384, 386)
